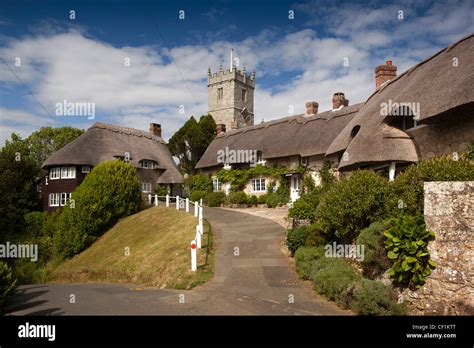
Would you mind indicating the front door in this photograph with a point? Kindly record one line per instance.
(295, 187)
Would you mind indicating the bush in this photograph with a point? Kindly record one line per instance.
(375, 298)
(305, 207)
(332, 276)
(111, 191)
(197, 195)
(215, 199)
(262, 199)
(407, 245)
(238, 197)
(406, 191)
(275, 199)
(352, 204)
(199, 182)
(252, 200)
(161, 190)
(7, 284)
(296, 238)
(375, 256)
(304, 258)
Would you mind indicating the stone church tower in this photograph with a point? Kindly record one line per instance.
(230, 97)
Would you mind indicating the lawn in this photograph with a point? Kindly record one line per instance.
(150, 248)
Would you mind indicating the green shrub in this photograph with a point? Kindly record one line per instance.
(215, 199)
(375, 256)
(7, 284)
(161, 190)
(332, 276)
(406, 191)
(305, 207)
(352, 204)
(197, 195)
(372, 297)
(111, 191)
(238, 197)
(252, 200)
(296, 238)
(199, 182)
(262, 199)
(275, 199)
(304, 259)
(407, 245)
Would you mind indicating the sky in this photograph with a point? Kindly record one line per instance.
(139, 62)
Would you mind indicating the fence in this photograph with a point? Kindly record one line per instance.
(185, 203)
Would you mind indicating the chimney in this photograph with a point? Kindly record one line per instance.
(339, 100)
(384, 73)
(155, 129)
(220, 128)
(311, 108)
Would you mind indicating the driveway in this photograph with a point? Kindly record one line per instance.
(252, 277)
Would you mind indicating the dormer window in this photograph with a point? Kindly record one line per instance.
(304, 161)
(147, 164)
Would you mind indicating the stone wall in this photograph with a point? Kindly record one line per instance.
(449, 212)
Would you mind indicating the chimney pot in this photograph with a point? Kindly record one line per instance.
(311, 108)
(155, 129)
(220, 128)
(339, 100)
(384, 73)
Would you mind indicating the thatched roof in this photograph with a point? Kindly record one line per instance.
(103, 142)
(436, 84)
(295, 135)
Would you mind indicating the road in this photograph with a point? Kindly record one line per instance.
(253, 277)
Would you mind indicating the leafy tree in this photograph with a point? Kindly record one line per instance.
(18, 171)
(43, 142)
(190, 142)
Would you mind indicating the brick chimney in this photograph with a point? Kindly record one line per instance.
(220, 128)
(311, 108)
(155, 129)
(339, 100)
(384, 73)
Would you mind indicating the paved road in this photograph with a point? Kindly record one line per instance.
(260, 280)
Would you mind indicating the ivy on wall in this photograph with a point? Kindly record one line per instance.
(239, 177)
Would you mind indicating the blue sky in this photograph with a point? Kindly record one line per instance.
(296, 60)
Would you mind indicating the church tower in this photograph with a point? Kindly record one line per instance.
(230, 96)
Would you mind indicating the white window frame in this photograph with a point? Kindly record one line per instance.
(259, 185)
(144, 188)
(147, 164)
(53, 199)
(216, 185)
(64, 198)
(68, 172)
(55, 173)
(86, 169)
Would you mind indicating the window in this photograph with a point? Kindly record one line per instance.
(258, 185)
(65, 197)
(147, 164)
(220, 93)
(244, 94)
(304, 161)
(216, 185)
(54, 199)
(68, 172)
(86, 169)
(55, 173)
(146, 187)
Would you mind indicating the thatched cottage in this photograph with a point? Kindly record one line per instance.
(425, 112)
(146, 151)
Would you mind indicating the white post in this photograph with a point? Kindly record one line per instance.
(200, 202)
(167, 200)
(196, 209)
(391, 171)
(187, 205)
(198, 237)
(201, 218)
(177, 202)
(193, 256)
(156, 199)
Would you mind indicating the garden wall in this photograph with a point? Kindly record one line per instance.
(449, 212)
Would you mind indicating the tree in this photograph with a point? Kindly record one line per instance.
(18, 171)
(190, 142)
(43, 142)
